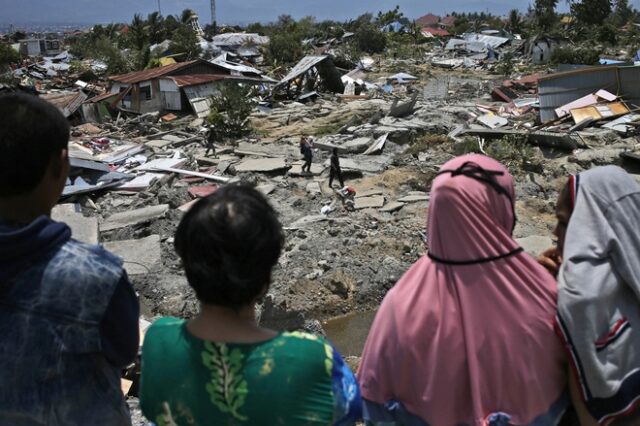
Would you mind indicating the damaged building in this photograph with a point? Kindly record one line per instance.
(184, 86)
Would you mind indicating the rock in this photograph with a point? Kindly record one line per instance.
(266, 188)
(134, 217)
(314, 188)
(414, 198)
(277, 315)
(392, 207)
(262, 165)
(358, 145)
(83, 229)
(369, 202)
(140, 256)
(369, 193)
(307, 221)
(597, 157)
(535, 244)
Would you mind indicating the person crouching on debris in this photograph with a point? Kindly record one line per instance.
(335, 171)
(469, 326)
(307, 153)
(68, 316)
(596, 261)
(222, 367)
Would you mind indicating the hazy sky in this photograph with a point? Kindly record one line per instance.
(236, 11)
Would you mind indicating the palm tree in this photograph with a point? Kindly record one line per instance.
(137, 31)
(155, 27)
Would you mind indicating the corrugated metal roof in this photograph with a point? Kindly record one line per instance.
(232, 66)
(239, 39)
(303, 66)
(195, 79)
(67, 102)
(491, 41)
(150, 74)
(102, 97)
(556, 90)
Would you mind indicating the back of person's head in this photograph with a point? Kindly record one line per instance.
(32, 131)
(229, 242)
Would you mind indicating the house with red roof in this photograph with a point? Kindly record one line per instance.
(181, 86)
(428, 20)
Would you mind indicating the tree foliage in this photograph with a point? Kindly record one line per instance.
(7, 56)
(545, 14)
(370, 39)
(230, 111)
(591, 12)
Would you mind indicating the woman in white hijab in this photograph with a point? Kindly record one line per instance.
(599, 293)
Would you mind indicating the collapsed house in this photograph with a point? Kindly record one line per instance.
(184, 86)
(558, 90)
(311, 74)
(40, 47)
(246, 45)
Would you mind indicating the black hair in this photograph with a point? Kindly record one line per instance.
(229, 242)
(32, 131)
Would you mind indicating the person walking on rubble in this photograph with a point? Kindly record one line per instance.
(68, 314)
(307, 154)
(335, 171)
(210, 141)
(222, 367)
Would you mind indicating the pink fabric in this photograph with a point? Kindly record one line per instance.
(456, 343)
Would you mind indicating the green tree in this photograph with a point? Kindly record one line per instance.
(8, 56)
(186, 15)
(230, 111)
(515, 24)
(385, 18)
(284, 48)
(370, 39)
(591, 12)
(622, 13)
(137, 32)
(155, 28)
(170, 25)
(545, 14)
(185, 41)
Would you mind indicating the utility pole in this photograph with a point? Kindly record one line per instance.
(213, 14)
(159, 10)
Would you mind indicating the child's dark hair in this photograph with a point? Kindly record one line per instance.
(31, 132)
(229, 243)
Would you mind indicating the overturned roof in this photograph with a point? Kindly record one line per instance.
(491, 41)
(150, 74)
(66, 102)
(301, 67)
(559, 89)
(239, 39)
(197, 79)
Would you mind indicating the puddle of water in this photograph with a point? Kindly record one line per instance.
(348, 333)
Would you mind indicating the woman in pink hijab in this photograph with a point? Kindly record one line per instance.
(466, 336)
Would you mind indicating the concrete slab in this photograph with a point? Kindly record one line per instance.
(307, 221)
(492, 121)
(172, 138)
(414, 198)
(262, 165)
(158, 143)
(392, 207)
(358, 145)
(369, 202)
(535, 244)
(364, 164)
(266, 188)
(134, 217)
(83, 229)
(296, 169)
(369, 193)
(314, 188)
(140, 256)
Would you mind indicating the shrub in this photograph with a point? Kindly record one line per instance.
(230, 111)
(571, 55)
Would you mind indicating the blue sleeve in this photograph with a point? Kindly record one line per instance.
(119, 328)
(347, 399)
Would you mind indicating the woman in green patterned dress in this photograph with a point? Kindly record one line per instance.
(221, 367)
